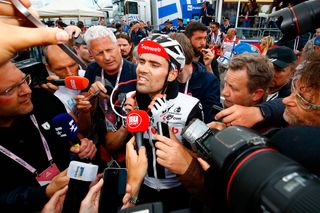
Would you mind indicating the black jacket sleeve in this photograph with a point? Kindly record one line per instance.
(23, 199)
(272, 111)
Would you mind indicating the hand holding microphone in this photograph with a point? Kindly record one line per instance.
(67, 130)
(71, 82)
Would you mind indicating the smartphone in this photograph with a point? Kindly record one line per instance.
(113, 190)
(163, 129)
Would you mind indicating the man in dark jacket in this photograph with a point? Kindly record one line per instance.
(206, 13)
(32, 155)
(196, 81)
(198, 34)
(136, 33)
(106, 72)
(283, 60)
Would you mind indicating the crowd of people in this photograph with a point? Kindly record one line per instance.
(175, 77)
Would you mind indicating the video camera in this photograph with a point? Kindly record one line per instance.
(298, 20)
(256, 178)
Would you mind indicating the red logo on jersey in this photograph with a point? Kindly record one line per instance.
(174, 130)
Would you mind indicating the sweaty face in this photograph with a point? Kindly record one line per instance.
(236, 90)
(199, 40)
(280, 78)
(297, 111)
(106, 54)
(60, 63)
(18, 100)
(125, 47)
(152, 71)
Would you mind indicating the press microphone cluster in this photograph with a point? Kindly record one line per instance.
(71, 82)
(138, 122)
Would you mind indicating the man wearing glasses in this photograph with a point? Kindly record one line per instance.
(32, 157)
(302, 107)
(300, 110)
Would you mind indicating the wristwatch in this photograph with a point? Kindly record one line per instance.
(133, 200)
(264, 111)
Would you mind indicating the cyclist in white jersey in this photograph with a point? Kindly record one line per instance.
(160, 60)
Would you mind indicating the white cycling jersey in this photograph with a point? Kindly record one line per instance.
(179, 111)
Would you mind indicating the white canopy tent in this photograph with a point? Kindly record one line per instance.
(68, 8)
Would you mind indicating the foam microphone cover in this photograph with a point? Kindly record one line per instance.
(65, 127)
(137, 121)
(76, 82)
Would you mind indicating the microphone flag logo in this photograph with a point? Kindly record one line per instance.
(134, 120)
(137, 121)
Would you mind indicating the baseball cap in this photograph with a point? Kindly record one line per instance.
(317, 41)
(245, 48)
(281, 56)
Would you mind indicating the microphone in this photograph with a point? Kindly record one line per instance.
(81, 175)
(66, 128)
(72, 82)
(138, 122)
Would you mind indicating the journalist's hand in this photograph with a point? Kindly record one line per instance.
(90, 203)
(57, 183)
(49, 86)
(99, 89)
(87, 149)
(216, 125)
(240, 115)
(55, 204)
(137, 165)
(15, 35)
(130, 103)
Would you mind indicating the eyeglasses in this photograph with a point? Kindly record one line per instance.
(306, 105)
(11, 90)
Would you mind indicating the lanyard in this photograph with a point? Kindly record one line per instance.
(20, 160)
(215, 40)
(118, 76)
(186, 87)
(104, 83)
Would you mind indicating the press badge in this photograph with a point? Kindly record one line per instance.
(47, 175)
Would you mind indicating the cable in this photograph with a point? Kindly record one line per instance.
(112, 93)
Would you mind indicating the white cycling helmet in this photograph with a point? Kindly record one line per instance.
(163, 45)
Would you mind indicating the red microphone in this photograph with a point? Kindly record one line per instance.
(138, 122)
(72, 82)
